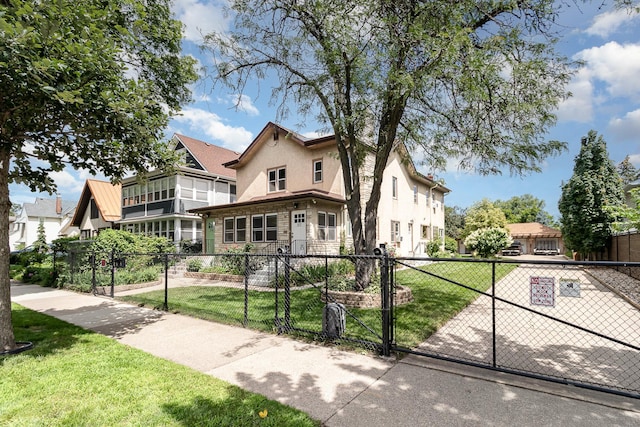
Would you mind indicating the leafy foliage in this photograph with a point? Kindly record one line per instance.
(594, 185)
(422, 73)
(628, 173)
(454, 220)
(525, 208)
(85, 84)
(487, 242)
(627, 216)
(481, 215)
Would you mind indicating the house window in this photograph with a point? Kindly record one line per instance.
(395, 231)
(186, 188)
(229, 230)
(272, 227)
(241, 229)
(201, 189)
(415, 194)
(257, 228)
(424, 233)
(317, 171)
(232, 193)
(94, 210)
(277, 179)
(394, 187)
(326, 226)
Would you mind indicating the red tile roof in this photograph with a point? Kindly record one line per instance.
(210, 156)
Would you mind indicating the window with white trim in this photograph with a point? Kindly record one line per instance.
(271, 222)
(277, 179)
(395, 231)
(229, 230)
(241, 229)
(317, 171)
(394, 187)
(257, 228)
(326, 226)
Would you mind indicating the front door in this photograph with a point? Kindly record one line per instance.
(210, 232)
(298, 233)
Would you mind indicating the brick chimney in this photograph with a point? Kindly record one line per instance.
(58, 204)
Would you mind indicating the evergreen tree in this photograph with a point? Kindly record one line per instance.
(628, 172)
(594, 186)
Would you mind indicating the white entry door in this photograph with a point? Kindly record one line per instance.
(298, 233)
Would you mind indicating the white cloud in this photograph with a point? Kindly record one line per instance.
(579, 107)
(618, 66)
(233, 138)
(627, 127)
(635, 159)
(609, 22)
(201, 17)
(67, 182)
(244, 103)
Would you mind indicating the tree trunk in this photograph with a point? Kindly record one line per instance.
(7, 339)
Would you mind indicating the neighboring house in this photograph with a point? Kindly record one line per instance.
(535, 236)
(627, 193)
(291, 194)
(160, 205)
(98, 208)
(54, 214)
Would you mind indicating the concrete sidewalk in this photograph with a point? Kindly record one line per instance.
(337, 387)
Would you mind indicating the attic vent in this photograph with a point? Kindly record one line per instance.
(276, 135)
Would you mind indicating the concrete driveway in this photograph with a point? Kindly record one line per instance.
(590, 336)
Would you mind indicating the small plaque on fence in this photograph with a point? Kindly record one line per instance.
(542, 291)
(569, 288)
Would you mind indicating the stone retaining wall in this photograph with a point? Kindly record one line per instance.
(365, 300)
(214, 276)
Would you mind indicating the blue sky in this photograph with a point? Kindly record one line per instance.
(606, 98)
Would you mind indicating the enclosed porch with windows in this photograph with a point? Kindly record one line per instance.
(304, 223)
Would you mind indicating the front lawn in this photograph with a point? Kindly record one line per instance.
(74, 377)
(435, 301)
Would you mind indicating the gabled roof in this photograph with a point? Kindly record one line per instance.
(107, 197)
(46, 208)
(532, 229)
(210, 157)
(276, 132)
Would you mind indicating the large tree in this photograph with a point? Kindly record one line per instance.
(85, 84)
(483, 215)
(628, 172)
(585, 203)
(525, 208)
(472, 81)
(454, 217)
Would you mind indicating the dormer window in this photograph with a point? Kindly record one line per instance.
(277, 179)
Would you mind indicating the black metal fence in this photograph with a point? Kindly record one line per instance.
(573, 322)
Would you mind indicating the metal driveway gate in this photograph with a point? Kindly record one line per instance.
(550, 320)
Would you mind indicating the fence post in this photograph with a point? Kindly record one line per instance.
(246, 290)
(113, 272)
(493, 310)
(384, 289)
(93, 272)
(165, 305)
(277, 318)
(287, 293)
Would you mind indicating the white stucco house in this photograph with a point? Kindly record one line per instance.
(290, 192)
(54, 214)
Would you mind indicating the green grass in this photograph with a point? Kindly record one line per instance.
(435, 301)
(74, 377)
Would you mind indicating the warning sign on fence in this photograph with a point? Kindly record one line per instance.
(542, 291)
